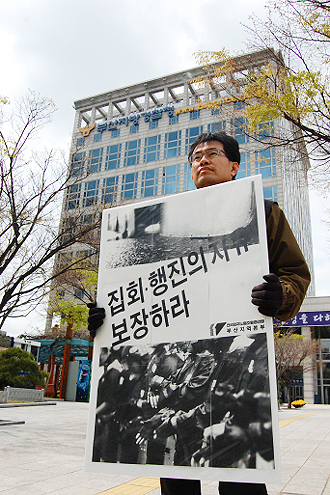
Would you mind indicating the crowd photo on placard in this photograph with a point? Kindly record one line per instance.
(193, 403)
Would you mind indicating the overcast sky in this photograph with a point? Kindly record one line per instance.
(68, 50)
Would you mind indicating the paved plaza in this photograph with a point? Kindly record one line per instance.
(44, 455)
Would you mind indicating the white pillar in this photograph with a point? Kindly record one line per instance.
(308, 374)
(110, 110)
(185, 95)
(146, 101)
(93, 116)
(128, 106)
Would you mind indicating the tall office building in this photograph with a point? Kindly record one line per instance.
(131, 144)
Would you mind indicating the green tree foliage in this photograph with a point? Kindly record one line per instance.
(70, 292)
(293, 84)
(18, 368)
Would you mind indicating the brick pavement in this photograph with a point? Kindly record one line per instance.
(45, 454)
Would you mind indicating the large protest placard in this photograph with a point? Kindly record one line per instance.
(183, 376)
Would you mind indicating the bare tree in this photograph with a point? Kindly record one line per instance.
(32, 187)
(293, 353)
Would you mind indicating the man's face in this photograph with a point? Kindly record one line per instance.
(215, 170)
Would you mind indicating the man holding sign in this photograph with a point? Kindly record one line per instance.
(214, 159)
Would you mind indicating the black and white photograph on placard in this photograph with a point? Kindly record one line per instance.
(203, 403)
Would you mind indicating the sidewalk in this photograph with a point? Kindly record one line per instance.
(45, 455)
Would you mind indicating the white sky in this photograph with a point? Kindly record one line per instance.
(68, 50)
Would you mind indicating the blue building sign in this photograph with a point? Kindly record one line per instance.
(134, 119)
(307, 319)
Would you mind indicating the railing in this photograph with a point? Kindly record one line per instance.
(20, 395)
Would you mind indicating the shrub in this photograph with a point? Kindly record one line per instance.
(18, 368)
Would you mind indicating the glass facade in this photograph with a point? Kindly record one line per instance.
(265, 162)
(174, 119)
(109, 190)
(188, 182)
(191, 135)
(195, 115)
(115, 133)
(91, 193)
(149, 185)
(129, 186)
(112, 159)
(270, 193)
(239, 128)
(132, 153)
(244, 167)
(95, 161)
(151, 148)
(171, 179)
(77, 168)
(73, 197)
(134, 129)
(172, 145)
(217, 126)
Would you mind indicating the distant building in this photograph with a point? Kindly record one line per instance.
(131, 144)
(27, 345)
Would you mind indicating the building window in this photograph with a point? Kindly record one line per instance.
(129, 186)
(171, 179)
(244, 167)
(194, 115)
(191, 135)
(265, 130)
(88, 219)
(149, 183)
(78, 294)
(238, 106)
(217, 126)
(95, 160)
(270, 193)
(172, 144)
(153, 124)
(115, 133)
(266, 163)
(109, 190)
(132, 153)
(151, 148)
(97, 137)
(112, 159)
(80, 141)
(173, 120)
(240, 126)
(73, 197)
(91, 193)
(188, 182)
(77, 167)
(134, 129)
(215, 111)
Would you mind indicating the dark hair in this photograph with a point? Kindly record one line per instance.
(230, 145)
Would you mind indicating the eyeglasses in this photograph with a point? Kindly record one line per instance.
(210, 153)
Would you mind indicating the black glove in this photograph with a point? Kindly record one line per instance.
(95, 318)
(268, 296)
